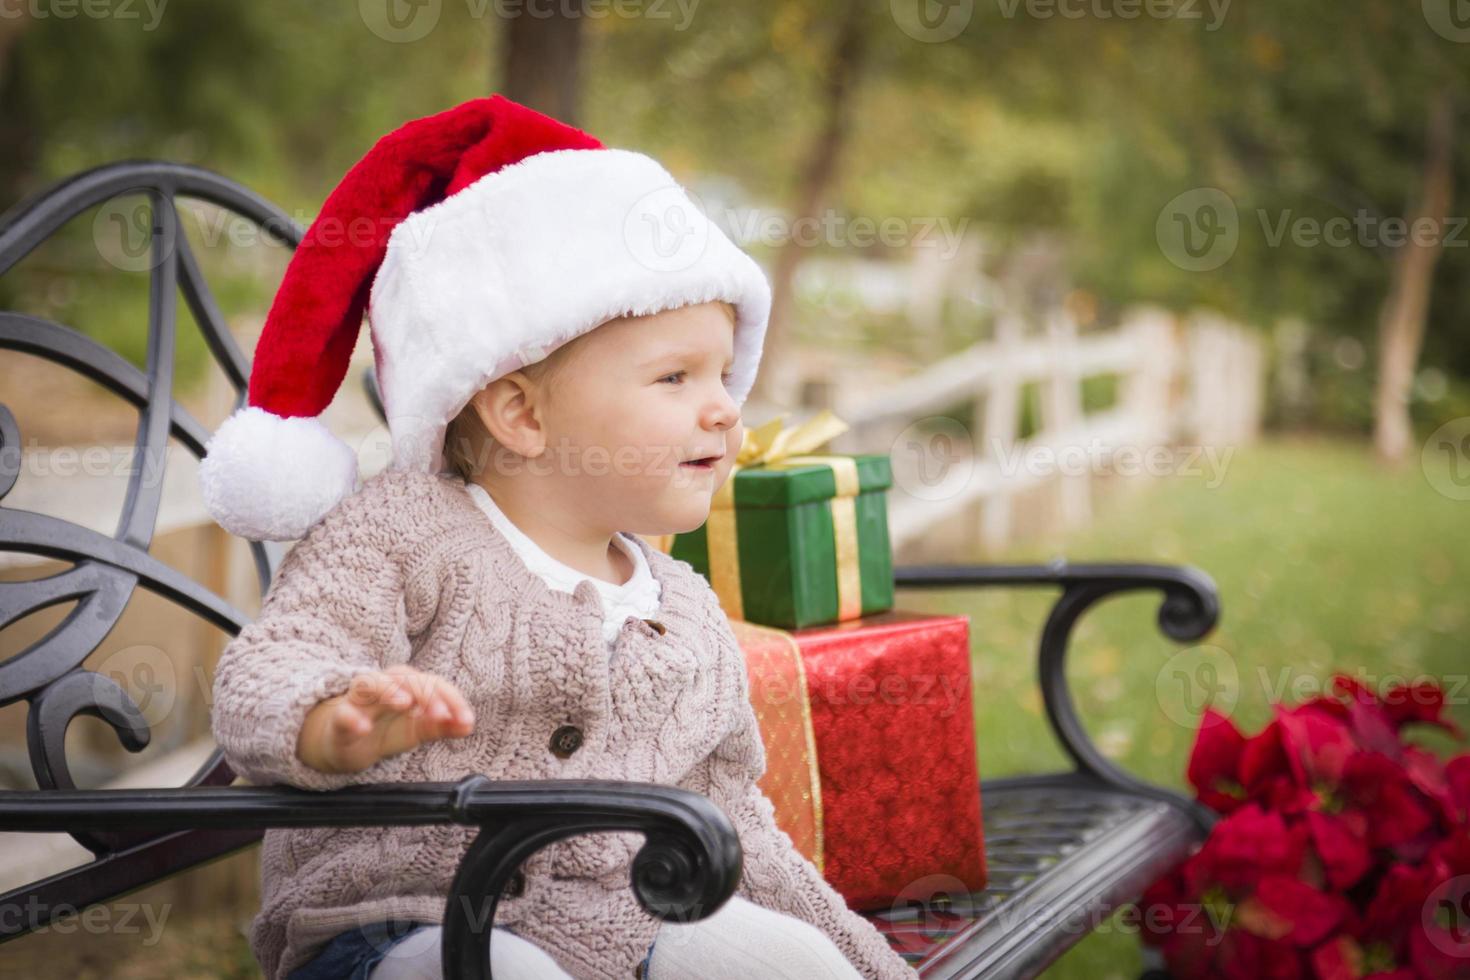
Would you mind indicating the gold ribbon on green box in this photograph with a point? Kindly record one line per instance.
(775, 447)
(795, 539)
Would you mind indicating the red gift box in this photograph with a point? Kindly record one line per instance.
(891, 713)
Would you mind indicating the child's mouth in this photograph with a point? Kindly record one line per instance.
(704, 464)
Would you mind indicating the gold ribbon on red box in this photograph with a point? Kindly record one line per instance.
(778, 693)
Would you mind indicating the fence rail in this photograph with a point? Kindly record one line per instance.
(1195, 381)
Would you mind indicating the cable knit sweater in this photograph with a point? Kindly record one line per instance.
(409, 570)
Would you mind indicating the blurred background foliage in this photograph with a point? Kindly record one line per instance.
(1026, 122)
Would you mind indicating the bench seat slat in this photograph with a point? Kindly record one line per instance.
(1030, 914)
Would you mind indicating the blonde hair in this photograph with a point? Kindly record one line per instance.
(466, 440)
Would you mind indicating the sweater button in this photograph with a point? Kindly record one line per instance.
(658, 627)
(566, 740)
(515, 886)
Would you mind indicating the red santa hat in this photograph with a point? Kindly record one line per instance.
(477, 241)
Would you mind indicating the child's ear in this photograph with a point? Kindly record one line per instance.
(509, 411)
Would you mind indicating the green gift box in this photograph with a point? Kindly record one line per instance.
(798, 541)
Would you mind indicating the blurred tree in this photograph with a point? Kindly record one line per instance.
(1331, 132)
(1405, 310)
(543, 59)
(18, 131)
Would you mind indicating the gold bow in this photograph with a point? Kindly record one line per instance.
(771, 443)
(773, 446)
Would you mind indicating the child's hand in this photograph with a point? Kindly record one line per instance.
(382, 714)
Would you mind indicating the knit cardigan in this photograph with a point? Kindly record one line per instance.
(409, 570)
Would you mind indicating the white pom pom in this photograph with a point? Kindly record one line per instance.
(269, 478)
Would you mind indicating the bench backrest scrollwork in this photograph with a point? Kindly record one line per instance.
(106, 570)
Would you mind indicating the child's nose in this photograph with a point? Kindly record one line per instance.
(722, 412)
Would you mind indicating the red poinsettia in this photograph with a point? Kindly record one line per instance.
(1342, 852)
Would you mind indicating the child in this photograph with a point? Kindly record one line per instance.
(563, 344)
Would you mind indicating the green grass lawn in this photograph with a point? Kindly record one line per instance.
(1324, 560)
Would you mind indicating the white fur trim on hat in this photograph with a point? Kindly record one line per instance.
(268, 478)
(530, 256)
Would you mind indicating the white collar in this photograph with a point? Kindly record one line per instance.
(641, 585)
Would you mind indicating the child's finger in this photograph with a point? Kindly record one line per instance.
(409, 691)
(420, 685)
(450, 711)
(436, 700)
(431, 706)
(349, 721)
(459, 705)
(379, 691)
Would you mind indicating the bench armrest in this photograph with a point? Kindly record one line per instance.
(688, 867)
(1189, 609)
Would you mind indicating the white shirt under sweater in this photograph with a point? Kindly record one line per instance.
(639, 596)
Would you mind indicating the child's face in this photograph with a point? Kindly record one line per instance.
(637, 401)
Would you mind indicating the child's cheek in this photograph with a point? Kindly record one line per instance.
(734, 436)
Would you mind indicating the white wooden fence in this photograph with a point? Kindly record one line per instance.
(1187, 383)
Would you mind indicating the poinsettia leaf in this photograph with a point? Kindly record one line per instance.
(1339, 958)
(1437, 953)
(1398, 901)
(1457, 774)
(1317, 744)
(1397, 812)
(1421, 702)
(1214, 762)
(1312, 914)
(1244, 956)
(1264, 764)
(1373, 729)
(1344, 853)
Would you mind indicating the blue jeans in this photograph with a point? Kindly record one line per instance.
(351, 955)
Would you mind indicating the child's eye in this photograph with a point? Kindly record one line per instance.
(678, 375)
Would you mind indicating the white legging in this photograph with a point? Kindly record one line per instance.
(741, 940)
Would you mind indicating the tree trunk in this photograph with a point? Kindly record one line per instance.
(1402, 318)
(18, 130)
(774, 382)
(543, 61)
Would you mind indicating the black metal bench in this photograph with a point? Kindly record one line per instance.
(1064, 849)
